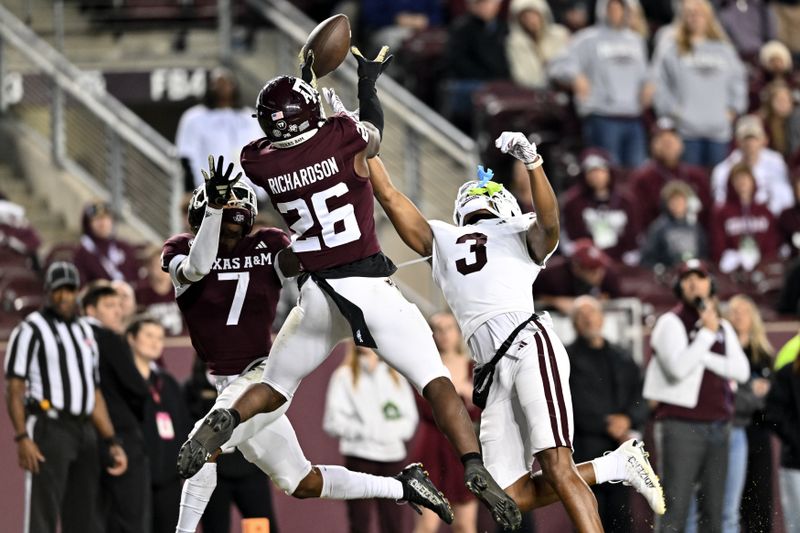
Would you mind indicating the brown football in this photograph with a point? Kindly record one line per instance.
(330, 41)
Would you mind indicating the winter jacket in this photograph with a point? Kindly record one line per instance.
(772, 180)
(647, 181)
(671, 241)
(528, 58)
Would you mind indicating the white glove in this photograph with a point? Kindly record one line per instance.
(518, 146)
(336, 103)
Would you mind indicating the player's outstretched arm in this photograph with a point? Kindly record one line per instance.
(544, 233)
(218, 185)
(404, 215)
(370, 108)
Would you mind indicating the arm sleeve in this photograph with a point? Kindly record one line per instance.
(22, 345)
(339, 420)
(204, 250)
(672, 350)
(664, 99)
(737, 84)
(732, 365)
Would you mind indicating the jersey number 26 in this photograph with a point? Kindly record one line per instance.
(328, 219)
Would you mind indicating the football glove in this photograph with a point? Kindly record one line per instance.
(336, 103)
(371, 69)
(219, 183)
(517, 145)
(306, 70)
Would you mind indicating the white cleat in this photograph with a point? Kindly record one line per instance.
(640, 474)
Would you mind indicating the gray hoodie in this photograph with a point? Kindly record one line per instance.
(614, 61)
(699, 88)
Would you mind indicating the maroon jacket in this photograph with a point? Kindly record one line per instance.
(733, 222)
(98, 258)
(229, 312)
(648, 180)
(789, 226)
(583, 214)
(314, 186)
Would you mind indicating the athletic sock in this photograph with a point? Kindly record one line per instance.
(610, 467)
(195, 494)
(339, 483)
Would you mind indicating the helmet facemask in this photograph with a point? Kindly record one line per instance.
(242, 208)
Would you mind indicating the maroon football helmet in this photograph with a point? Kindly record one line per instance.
(289, 111)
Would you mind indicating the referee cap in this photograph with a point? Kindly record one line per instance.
(61, 274)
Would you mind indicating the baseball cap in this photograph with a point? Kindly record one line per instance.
(695, 266)
(588, 256)
(662, 125)
(594, 161)
(61, 274)
(749, 126)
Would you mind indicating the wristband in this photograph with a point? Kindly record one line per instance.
(536, 163)
(113, 440)
(19, 437)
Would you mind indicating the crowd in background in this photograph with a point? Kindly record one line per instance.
(687, 146)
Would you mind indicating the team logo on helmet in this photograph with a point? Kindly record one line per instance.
(239, 218)
(281, 124)
(289, 111)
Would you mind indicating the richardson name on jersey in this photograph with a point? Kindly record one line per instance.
(304, 176)
(248, 261)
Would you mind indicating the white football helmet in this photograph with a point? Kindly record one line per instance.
(492, 196)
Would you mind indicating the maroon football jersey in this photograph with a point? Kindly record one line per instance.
(229, 312)
(327, 206)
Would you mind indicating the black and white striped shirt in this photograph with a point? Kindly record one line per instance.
(57, 358)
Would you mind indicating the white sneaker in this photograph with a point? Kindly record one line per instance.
(640, 475)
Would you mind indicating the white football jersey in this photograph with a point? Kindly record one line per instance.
(484, 269)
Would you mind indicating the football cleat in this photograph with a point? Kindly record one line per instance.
(640, 475)
(421, 491)
(480, 483)
(215, 431)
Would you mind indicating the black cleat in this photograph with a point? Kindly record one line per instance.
(215, 431)
(481, 483)
(420, 490)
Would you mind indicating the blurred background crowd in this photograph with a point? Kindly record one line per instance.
(670, 131)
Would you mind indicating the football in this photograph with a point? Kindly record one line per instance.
(330, 42)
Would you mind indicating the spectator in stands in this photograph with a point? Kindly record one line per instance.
(443, 465)
(17, 236)
(700, 83)
(783, 416)
(696, 354)
(789, 223)
(597, 209)
(156, 295)
(588, 271)
(781, 118)
(101, 255)
(475, 54)
(166, 421)
(750, 23)
(390, 22)
(370, 408)
(533, 40)
(607, 401)
(769, 168)
(648, 181)
(124, 501)
(789, 299)
(239, 481)
(606, 66)
(755, 459)
(743, 231)
(127, 300)
(221, 125)
(675, 236)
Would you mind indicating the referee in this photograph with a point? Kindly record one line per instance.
(55, 407)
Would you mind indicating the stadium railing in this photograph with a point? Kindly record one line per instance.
(89, 132)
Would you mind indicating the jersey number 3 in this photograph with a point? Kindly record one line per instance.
(342, 218)
(476, 259)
